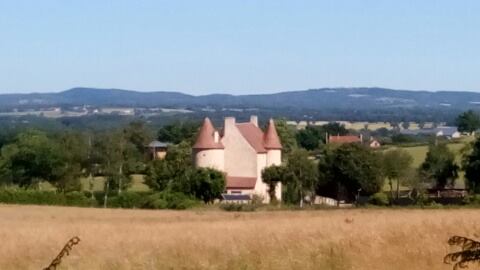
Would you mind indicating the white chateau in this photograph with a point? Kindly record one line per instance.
(242, 151)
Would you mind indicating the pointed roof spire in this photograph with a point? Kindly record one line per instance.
(270, 138)
(206, 137)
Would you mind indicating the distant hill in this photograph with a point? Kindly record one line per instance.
(325, 98)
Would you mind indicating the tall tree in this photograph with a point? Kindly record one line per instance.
(75, 149)
(333, 128)
(301, 175)
(205, 184)
(396, 166)
(348, 170)
(439, 166)
(287, 136)
(31, 158)
(178, 132)
(310, 137)
(272, 176)
(175, 168)
(471, 165)
(468, 121)
(138, 134)
(112, 153)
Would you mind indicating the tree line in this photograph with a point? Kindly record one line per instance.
(345, 172)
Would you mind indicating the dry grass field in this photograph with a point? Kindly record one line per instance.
(210, 239)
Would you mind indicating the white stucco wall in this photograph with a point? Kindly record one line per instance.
(260, 187)
(210, 158)
(274, 157)
(239, 155)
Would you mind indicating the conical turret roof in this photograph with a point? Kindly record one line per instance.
(206, 137)
(271, 139)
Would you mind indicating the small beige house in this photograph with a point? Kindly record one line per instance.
(242, 151)
(157, 150)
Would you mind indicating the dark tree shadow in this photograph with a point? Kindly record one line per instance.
(470, 252)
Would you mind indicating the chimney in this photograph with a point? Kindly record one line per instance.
(229, 124)
(254, 120)
(216, 137)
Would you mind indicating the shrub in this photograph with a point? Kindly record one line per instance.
(170, 200)
(177, 200)
(473, 199)
(155, 201)
(379, 198)
(160, 200)
(238, 207)
(77, 198)
(22, 196)
(127, 200)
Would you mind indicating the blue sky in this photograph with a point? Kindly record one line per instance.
(239, 46)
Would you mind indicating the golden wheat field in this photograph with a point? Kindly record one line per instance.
(31, 236)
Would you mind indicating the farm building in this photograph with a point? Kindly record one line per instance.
(242, 151)
(157, 150)
(449, 132)
(374, 143)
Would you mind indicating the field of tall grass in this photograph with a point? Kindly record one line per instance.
(211, 239)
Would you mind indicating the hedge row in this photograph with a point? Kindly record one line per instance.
(145, 200)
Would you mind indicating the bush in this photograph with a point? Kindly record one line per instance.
(155, 201)
(472, 199)
(22, 196)
(238, 207)
(177, 200)
(127, 200)
(379, 198)
(169, 200)
(76, 198)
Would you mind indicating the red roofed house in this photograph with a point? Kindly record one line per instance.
(344, 139)
(242, 152)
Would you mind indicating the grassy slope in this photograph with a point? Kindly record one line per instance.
(420, 152)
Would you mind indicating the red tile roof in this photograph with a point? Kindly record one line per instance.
(206, 137)
(237, 182)
(344, 139)
(259, 140)
(253, 135)
(271, 140)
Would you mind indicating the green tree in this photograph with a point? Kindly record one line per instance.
(396, 167)
(272, 176)
(175, 168)
(471, 166)
(348, 170)
(301, 176)
(205, 184)
(31, 158)
(309, 138)
(287, 136)
(312, 137)
(468, 121)
(138, 135)
(178, 132)
(158, 175)
(175, 173)
(333, 128)
(75, 151)
(112, 153)
(439, 166)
